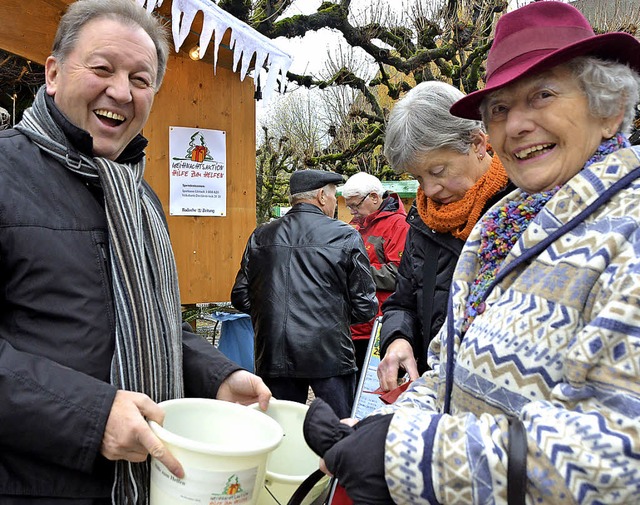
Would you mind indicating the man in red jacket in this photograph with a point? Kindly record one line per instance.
(381, 220)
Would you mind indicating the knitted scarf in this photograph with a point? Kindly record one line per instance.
(459, 218)
(148, 347)
(502, 227)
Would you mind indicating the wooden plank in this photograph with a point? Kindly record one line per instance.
(29, 26)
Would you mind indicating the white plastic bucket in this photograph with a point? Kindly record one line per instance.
(223, 448)
(293, 460)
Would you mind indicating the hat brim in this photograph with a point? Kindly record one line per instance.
(617, 46)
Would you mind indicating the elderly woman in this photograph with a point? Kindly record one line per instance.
(535, 394)
(459, 181)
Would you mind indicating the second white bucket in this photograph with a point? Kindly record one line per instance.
(293, 460)
(223, 448)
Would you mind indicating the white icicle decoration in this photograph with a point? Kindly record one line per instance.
(245, 41)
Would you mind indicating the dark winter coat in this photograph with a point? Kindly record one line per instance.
(403, 312)
(304, 279)
(57, 329)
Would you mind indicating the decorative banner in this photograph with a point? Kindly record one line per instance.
(197, 172)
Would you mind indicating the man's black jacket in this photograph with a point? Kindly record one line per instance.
(304, 279)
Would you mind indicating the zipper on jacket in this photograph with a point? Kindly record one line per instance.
(104, 256)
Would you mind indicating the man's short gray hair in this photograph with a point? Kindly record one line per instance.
(128, 12)
(307, 195)
(362, 184)
(420, 122)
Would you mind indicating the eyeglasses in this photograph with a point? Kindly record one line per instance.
(357, 205)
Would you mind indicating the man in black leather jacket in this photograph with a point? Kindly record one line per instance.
(84, 356)
(304, 279)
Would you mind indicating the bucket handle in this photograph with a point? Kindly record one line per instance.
(304, 488)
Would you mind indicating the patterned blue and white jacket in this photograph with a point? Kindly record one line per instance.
(558, 345)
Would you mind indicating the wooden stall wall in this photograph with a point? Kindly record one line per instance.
(208, 249)
(29, 26)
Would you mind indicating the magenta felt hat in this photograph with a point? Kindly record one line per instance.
(537, 37)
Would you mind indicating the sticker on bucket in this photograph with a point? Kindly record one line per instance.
(205, 486)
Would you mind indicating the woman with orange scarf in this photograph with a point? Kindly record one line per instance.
(459, 180)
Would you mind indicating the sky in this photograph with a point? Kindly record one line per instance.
(309, 53)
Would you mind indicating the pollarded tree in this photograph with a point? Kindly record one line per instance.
(445, 40)
(298, 118)
(291, 133)
(274, 164)
(432, 39)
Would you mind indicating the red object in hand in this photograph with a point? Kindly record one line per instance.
(340, 496)
(391, 396)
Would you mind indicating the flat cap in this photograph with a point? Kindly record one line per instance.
(307, 180)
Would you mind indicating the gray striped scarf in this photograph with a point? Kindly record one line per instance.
(148, 346)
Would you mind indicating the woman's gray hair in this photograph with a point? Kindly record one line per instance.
(420, 122)
(362, 184)
(611, 87)
(128, 12)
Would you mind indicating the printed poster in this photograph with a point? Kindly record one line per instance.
(197, 172)
(367, 392)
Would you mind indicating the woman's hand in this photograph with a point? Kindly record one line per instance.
(399, 355)
(355, 455)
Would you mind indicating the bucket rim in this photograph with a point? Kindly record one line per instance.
(211, 448)
(285, 406)
(290, 479)
(302, 407)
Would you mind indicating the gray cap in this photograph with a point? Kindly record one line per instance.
(308, 180)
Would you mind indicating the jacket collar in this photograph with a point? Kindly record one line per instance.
(306, 207)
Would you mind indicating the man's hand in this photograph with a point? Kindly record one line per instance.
(245, 388)
(128, 436)
(399, 355)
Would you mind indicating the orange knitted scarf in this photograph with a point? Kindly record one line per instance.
(458, 218)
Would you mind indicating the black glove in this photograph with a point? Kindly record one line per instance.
(354, 455)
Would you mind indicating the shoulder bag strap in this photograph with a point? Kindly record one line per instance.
(517, 464)
(428, 293)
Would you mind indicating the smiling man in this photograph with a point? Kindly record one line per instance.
(102, 86)
(90, 322)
